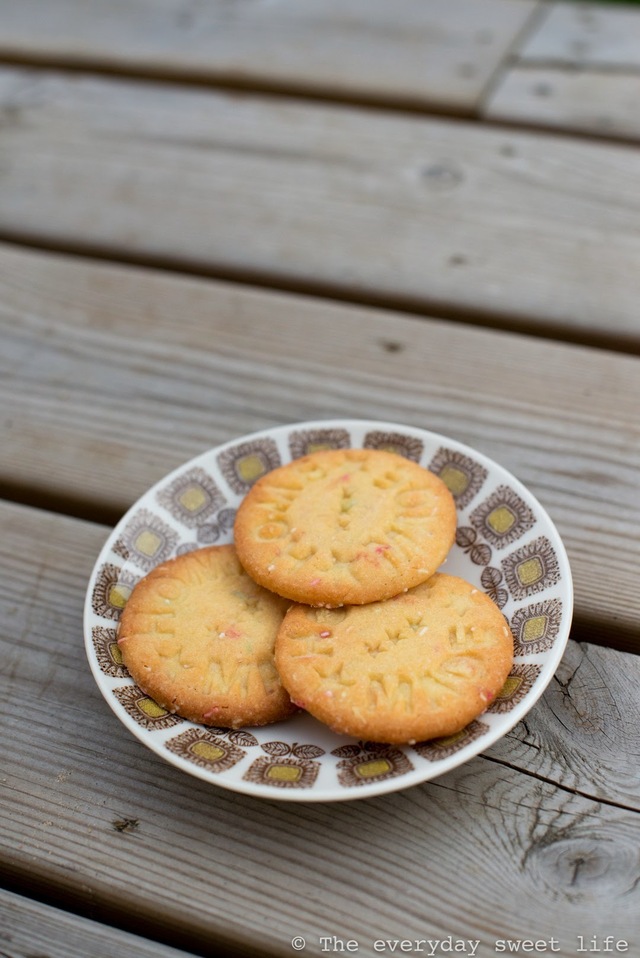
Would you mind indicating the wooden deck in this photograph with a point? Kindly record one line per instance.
(219, 217)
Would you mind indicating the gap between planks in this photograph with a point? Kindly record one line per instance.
(47, 891)
(480, 113)
(284, 89)
(528, 29)
(434, 53)
(33, 927)
(512, 239)
(413, 308)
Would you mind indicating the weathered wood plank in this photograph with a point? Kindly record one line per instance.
(582, 100)
(585, 35)
(436, 54)
(527, 857)
(110, 377)
(32, 928)
(571, 707)
(578, 70)
(508, 228)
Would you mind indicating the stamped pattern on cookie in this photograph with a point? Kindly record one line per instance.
(198, 635)
(345, 527)
(414, 667)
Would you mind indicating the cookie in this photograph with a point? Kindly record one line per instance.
(345, 526)
(197, 634)
(418, 666)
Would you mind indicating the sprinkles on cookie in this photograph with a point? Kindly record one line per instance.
(345, 526)
(421, 665)
(197, 635)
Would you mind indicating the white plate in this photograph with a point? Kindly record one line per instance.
(506, 545)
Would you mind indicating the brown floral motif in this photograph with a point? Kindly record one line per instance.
(243, 464)
(208, 750)
(503, 517)
(303, 442)
(143, 709)
(238, 736)
(210, 532)
(367, 762)
(405, 446)
(146, 540)
(111, 591)
(108, 654)
(285, 766)
(439, 748)
(462, 476)
(532, 568)
(191, 498)
(518, 684)
(478, 552)
(536, 626)
(491, 579)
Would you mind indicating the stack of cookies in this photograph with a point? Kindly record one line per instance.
(377, 644)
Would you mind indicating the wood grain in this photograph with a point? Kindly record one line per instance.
(498, 226)
(438, 54)
(205, 866)
(584, 101)
(571, 705)
(31, 928)
(111, 377)
(585, 35)
(577, 70)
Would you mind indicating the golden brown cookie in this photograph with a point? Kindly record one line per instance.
(345, 526)
(197, 634)
(418, 666)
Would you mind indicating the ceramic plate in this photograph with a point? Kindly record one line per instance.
(506, 545)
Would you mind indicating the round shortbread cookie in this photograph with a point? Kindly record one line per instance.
(345, 527)
(418, 666)
(197, 634)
